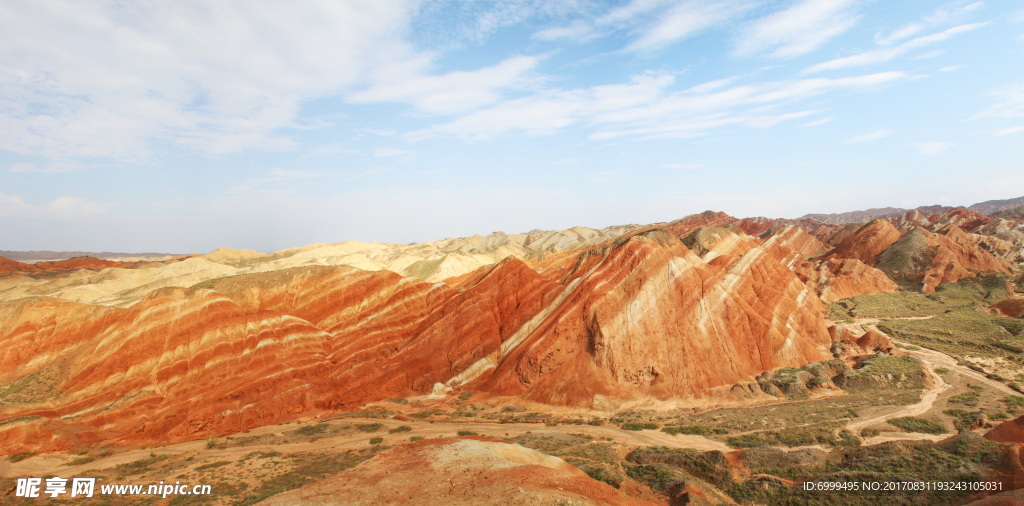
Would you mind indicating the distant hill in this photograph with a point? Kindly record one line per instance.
(991, 206)
(987, 208)
(38, 256)
(855, 216)
(1016, 213)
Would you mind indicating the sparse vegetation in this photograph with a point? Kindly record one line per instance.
(369, 427)
(914, 424)
(401, 428)
(376, 440)
(640, 426)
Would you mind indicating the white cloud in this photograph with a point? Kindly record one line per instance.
(1011, 103)
(881, 55)
(1011, 130)
(92, 79)
(951, 68)
(688, 18)
(798, 30)
(684, 166)
(23, 167)
(943, 15)
(932, 148)
(645, 108)
(821, 121)
(653, 24)
(870, 137)
(451, 93)
(601, 177)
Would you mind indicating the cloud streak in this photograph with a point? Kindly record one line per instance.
(798, 30)
(882, 55)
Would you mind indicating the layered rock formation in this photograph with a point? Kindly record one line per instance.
(642, 317)
(867, 242)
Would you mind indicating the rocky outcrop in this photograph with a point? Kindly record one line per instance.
(643, 318)
(714, 325)
(867, 242)
(798, 240)
(8, 266)
(1013, 308)
(845, 278)
(465, 471)
(935, 258)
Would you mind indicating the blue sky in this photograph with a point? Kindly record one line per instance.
(186, 126)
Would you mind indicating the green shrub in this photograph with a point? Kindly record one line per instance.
(870, 432)
(18, 457)
(403, 428)
(369, 427)
(913, 424)
(467, 433)
(376, 440)
(416, 438)
(640, 426)
(1013, 400)
(696, 430)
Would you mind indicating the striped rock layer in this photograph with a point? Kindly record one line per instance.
(639, 318)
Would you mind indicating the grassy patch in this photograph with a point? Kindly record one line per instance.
(313, 430)
(369, 427)
(402, 428)
(213, 465)
(914, 424)
(640, 426)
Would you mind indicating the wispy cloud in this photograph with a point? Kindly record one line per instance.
(943, 15)
(451, 93)
(951, 68)
(683, 166)
(1010, 105)
(105, 80)
(878, 134)
(798, 30)
(601, 177)
(885, 54)
(645, 108)
(1011, 130)
(932, 148)
(687, 19)
(821, 121)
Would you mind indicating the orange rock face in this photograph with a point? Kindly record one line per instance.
(844, 278)
(867, 242)
(80, 263)
(798, 240)
(945, 257)
(642, 317)
(8, 266)
(608, 339)
(1013, 308)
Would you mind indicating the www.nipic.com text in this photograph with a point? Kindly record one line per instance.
(86, 487)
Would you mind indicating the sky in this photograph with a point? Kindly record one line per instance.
(184, 126)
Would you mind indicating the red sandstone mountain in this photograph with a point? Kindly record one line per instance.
(693, 310)
(8, 266)
(867, 242)
(79, 263)
(642, 317)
